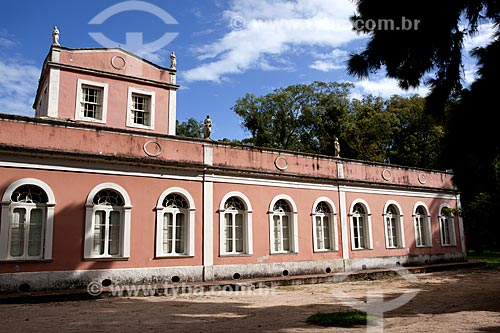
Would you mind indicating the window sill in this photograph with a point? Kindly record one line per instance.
(286, 253)
(24, 261)
(449, 245)
(143, 127)
(173, 256)
(226, 255)
(361, 250)
(91, 120)
(325, 251)
(423, 246)
(106, 259)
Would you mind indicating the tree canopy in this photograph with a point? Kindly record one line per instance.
(433, 46)
(432, 54)
(308, 118)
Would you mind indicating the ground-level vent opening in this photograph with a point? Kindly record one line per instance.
(175, 279)
(106, 282)
(24, 287)
(236, 276)
(285, 273)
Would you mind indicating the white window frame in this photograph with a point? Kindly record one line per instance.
(426, 224)
(367, 226)
(450, 220)
(399, 226)
(151, 95)
(293, 227)
(48, 220)
(79, 94)
(334, 246)
(125, 216)
(189, 224)
(247, 225)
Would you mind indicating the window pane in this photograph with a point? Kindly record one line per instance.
(421, 231)
(167, 232)
(239, 233)
(319, 233)
(140, 109)
(17, 232)
(229, 232)
(91, 102)
(114, 233)
(35, 233)
(179, 233)
(326, 232)
(286, 233)
(99, 231)
(277, 232)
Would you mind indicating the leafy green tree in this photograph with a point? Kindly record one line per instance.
(301, 117)
(417, 138)
(368, 130)
(191, 128)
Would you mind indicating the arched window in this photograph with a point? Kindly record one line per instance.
(360, 227)
(27, 221)
(107, 223)
(393, 221)
(283, 225)
(175, 224)
(324, 226)
(447, 226)
(235, 224)
(422, 226)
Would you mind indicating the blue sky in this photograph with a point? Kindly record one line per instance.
(224, 48)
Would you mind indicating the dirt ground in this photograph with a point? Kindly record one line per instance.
(451, 301)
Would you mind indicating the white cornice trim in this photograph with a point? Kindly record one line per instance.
(96, 171)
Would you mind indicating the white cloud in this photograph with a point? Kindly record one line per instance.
(385, 88)
(334, 60)
(18, 83)
(262, 29)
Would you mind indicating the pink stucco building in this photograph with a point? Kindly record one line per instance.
(97, 186)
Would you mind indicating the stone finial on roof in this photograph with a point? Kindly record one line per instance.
(55, 36)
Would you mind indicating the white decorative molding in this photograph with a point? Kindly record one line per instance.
(53, 100)
(190, 238)
(89, 219)
(118, 62)
(248, 222)
(294, 240)
(152, 148)
(387, 174)
(78, 107)
(172, 110)
(152, 108)
(5, 216)
(281, 163)
(422, 178)
(208, 155)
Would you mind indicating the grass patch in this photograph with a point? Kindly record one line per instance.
(338, 319)
(491, 258)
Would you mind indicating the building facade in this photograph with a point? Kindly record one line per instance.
(97, 186)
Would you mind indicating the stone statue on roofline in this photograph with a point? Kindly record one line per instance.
(173, 61)
(55, 36)
(207, 129)
(337, 147)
